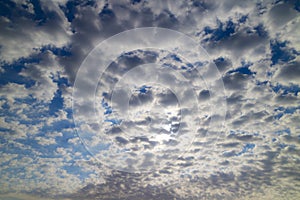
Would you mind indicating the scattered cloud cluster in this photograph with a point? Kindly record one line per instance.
(254, 154)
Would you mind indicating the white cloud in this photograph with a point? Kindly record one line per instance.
(218, 164)
(21, 35)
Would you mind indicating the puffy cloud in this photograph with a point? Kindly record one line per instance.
(27, 26)
(289, 73)
(255, 46)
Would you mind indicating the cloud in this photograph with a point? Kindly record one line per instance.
(27, 27)
(288, 74)
(255, 47)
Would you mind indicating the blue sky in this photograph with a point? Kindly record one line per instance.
(255, 48)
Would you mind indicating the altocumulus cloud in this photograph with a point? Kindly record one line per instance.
(254, 44)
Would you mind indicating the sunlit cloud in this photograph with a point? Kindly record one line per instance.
(238, 141)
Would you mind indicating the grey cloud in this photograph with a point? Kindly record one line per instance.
(121, 140)
(232, 144)
(235, 81)
(114, 130)
(121, 185)
(204, 95)
(286, 99)
(168, 99)
(18, 41)
(88, 29)
(269, 172)
(223, 64)
(140, 99)
(243, 137)
(241, 42)
(289, 73)
(234, 99)
(282, 13)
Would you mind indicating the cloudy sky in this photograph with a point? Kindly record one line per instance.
(137, 99)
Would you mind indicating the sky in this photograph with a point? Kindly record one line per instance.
(140, 99)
